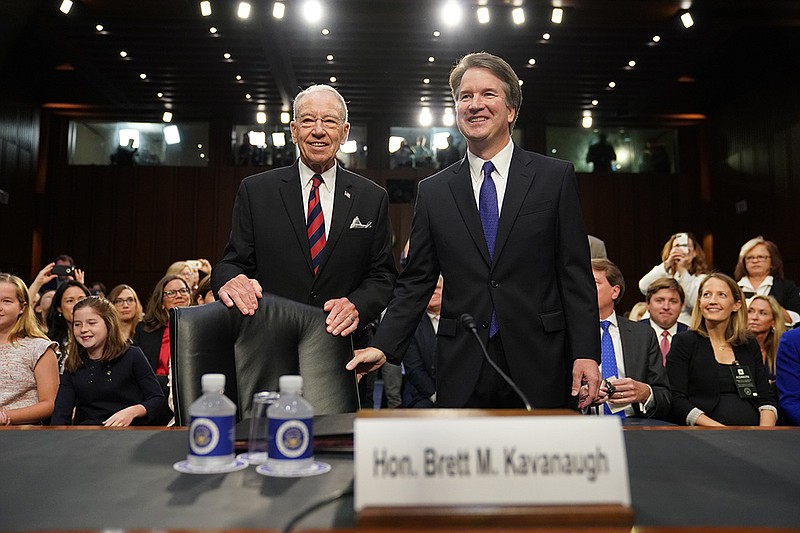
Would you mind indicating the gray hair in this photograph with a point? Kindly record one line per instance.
(317, 88)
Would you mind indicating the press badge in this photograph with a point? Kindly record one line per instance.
(745, 384)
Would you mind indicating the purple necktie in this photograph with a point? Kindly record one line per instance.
(487, 206)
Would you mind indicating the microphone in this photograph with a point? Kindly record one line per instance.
(468, 323)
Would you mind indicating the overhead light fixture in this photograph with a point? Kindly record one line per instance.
(202, 155)
(595, 102)
(350, 147)
(285, 117)
(483, 15)
(123, 53)
(205, 8)
(612, 84)
(448, 118)
(278, 10)
(557, 16)
(586, 122)
(160, 94)
(531, 61)
(423, 98)
(167, 116)
(325, 31)
(329, 57)
(431, 59)
(656, 38)
(451, 13)
(171, 134)
(226, 55)
(333, 79)
(126, 135)
(99, 27)
(243, 11)
(66, 5)
(238, 77)
(631, 63)
(426, 81)
(437, 33)
(212, 30)
(312, 11)
(279, 139)
(248, 96)
(687, 20)
(425, 117)
(143, 76)
(199, 146)
(546, 36)
(518, 15)
(261, 117)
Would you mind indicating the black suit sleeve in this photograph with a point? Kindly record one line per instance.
(239, 255)
(657, 379)
(678, 363)
(417, 372)
(65, 402)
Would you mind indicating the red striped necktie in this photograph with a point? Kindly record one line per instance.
(315, 224)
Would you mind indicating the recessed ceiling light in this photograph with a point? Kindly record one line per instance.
(531, 61)
(66, 5)
(595, 102)
(143, 76)
(483, 15)
(631, 63)
(557, 15)
(546, 36)
(238, 77)
(325, 31)
(285, 117)
(426, 81)
(423, 98)
(167, 116)
(243, 11)
(656, 38)
(612, 84)
(248, 96)
(312, 11)
(687, 20)
(226, 55)
(199, 146)
(436, 34)
(431, 59)
(333, 79)
(160, 95)
(329, 57)
(278, 10)
(451, 13)
(261, 117)
(518, 15)
(123, 53)
(205, 8)
(202, 155)
(99, 27)
(212, 30)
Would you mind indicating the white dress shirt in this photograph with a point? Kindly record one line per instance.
(502, 164)
(326, 192)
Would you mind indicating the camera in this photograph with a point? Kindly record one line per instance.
(63, 270)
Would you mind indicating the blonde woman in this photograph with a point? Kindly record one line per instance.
(765, 322)
(129, 307)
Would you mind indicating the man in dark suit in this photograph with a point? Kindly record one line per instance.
(640, 380)
(419, 387)
(311, 232)
(665, 299)
(504, 228)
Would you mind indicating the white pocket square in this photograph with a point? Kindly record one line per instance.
(356, 224)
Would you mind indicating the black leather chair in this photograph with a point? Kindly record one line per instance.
(282, 337)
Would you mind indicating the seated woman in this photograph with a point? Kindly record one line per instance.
(127, 303)
(683, 259)
(152, 334)
(204, 294)
(765, 322)
(28, 365)
(106, 381)
(760, 271)
(715, 369)
(59, 318)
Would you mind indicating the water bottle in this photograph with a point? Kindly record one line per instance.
(211, 431)
(290, 428)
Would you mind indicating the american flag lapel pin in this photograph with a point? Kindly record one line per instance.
(347, 194)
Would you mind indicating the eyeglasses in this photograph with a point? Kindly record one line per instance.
(754, 258)
(129, 301)
(329, 123)
(174, 294)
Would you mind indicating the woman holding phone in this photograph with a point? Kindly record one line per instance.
(682, 258)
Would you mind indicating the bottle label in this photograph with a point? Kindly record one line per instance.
(211, 435)
(290, 439)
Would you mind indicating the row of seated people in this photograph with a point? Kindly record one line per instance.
(151, 335)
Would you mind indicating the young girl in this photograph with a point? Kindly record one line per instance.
(28, 365)
(106, 380)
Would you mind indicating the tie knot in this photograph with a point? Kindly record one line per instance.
(605, 324)
(488, 168)
(316, 180)
(664, 333)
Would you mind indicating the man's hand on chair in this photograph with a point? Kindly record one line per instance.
(242, 292)
(342, 316)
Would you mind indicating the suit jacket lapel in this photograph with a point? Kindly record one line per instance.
(464, 196)
(520, 179)
(342, 207)
(290, 192)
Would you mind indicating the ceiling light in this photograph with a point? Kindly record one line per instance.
(243, 12)
(202, 155)
(212, 30)
(431, 59)
(553, 151)
(248, 96)
(687, 20)
(238, 77)
(143, 76)
(531, 61)
(631, 63)
(261, 117)
(586, 121)
(171, 134)
(483, 15)
(521, 82)
(349, 147)
(448, 119)
(279, 139)
(333, 79)
(312, 11)
(99, 27)
(451, 13)
(546, 36)
(518, 15)
(425, 117)
(612, 84)
(426, 81)
(595, 102)
(160, 95)
(557, 16)
(123, 53)
(437, 33)
(423, 98)
(66, 5)
(167, 116)
(325, 31)
(205, 8)
(329, 57)
(656, 38)
(285, 117)
(278, 10)
(199, 146)
(226, 55)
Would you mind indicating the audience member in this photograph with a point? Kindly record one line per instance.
(28, 366)
(128, 306)
(419, 388)
(638, 310)
(601, 154)
(597, 248)
(98, 288)
(423, 157)
(187, 271)
(448, 155)
(682, 258)
(665, 299)
(152, 334)
(760, 271)
(787, 374)
(204, 293)
(715, 368)
(59, 317)
(630, 359)
(106, 381)
(46, 280)
(765, 322)
(402, 157)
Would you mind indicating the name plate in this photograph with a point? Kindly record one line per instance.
(489, 460)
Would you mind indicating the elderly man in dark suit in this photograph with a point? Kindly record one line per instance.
(631, 360)
(311, 232)
(504, 228)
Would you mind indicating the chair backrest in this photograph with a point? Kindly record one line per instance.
(282, 337)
